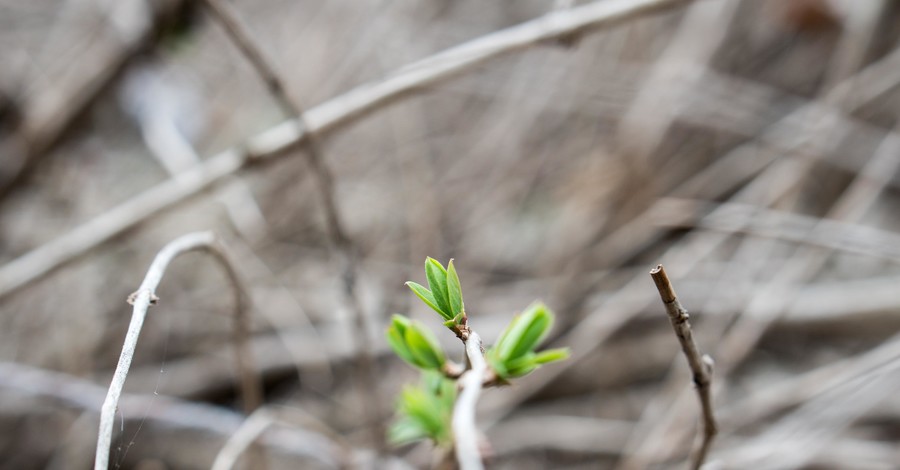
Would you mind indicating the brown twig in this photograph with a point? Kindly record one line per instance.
(701, 365)
(867, 85)
(142, 299)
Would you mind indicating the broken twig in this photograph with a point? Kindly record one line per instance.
(701, 365)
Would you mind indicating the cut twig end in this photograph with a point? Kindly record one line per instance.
(701, 364)
(663, 285)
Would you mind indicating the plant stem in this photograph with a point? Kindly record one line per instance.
(465, 433)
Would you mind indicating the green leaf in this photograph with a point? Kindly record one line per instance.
(510, 338)
(495, 362)
(426, 296)
(535, 332)
(522, 370)
(395, 338)
(520, 362)
(419, 406)
(405, 431)
(425, 411)
(454, 290)
(424, 346)
(455, 321)
(437, 281)
(551, 355)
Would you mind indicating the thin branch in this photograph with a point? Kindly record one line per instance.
(799, 389)
(465, 432)
(142, 299)
(867, 85)
(652, 112)
(170, 413)
(152, 102)
(52, 112)
(820, 233)
(701, 365)
(251, 388)
(336, 113)
(243, 438)
(324, 181)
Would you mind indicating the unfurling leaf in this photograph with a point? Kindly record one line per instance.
(454, 291)
(425, 412)
(424, 347)
(437, 282)
(514, 354)
(426, 296)
(552, 355)
(415, 343)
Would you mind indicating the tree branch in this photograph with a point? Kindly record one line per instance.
(465, 432)
(169, 413)
(324, 181)
(336, 113)
(142, 299)
(701, 365)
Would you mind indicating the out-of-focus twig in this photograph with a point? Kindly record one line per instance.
(170, 413)
(142, 299)
(645, 123)
(324, 180)
(333, 114)
(701, 365)
(465, 432)
(48, 116)
(732, 217)
(802, 388)
(243, 438)
(866, 85)
(159, 107)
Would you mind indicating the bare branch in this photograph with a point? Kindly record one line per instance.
(465, 432)
(142, 299)
(701, 365)
(51, 113)
(324, 181)
(867, 85)
(827, 233)
(243, 438)
(170, 413)
(329, 116)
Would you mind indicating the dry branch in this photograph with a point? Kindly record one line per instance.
(731, 217)
(647, 120)
(701, 365)
(142, 299)
(170, 413)
(243, 438)
(336, 113)
(867, 85)
(52, 112)
(324, 181)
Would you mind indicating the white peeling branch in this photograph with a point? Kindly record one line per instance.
(142, 299)
(465, 432)
(336, 113)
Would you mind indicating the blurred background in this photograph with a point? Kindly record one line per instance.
(749, 146)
